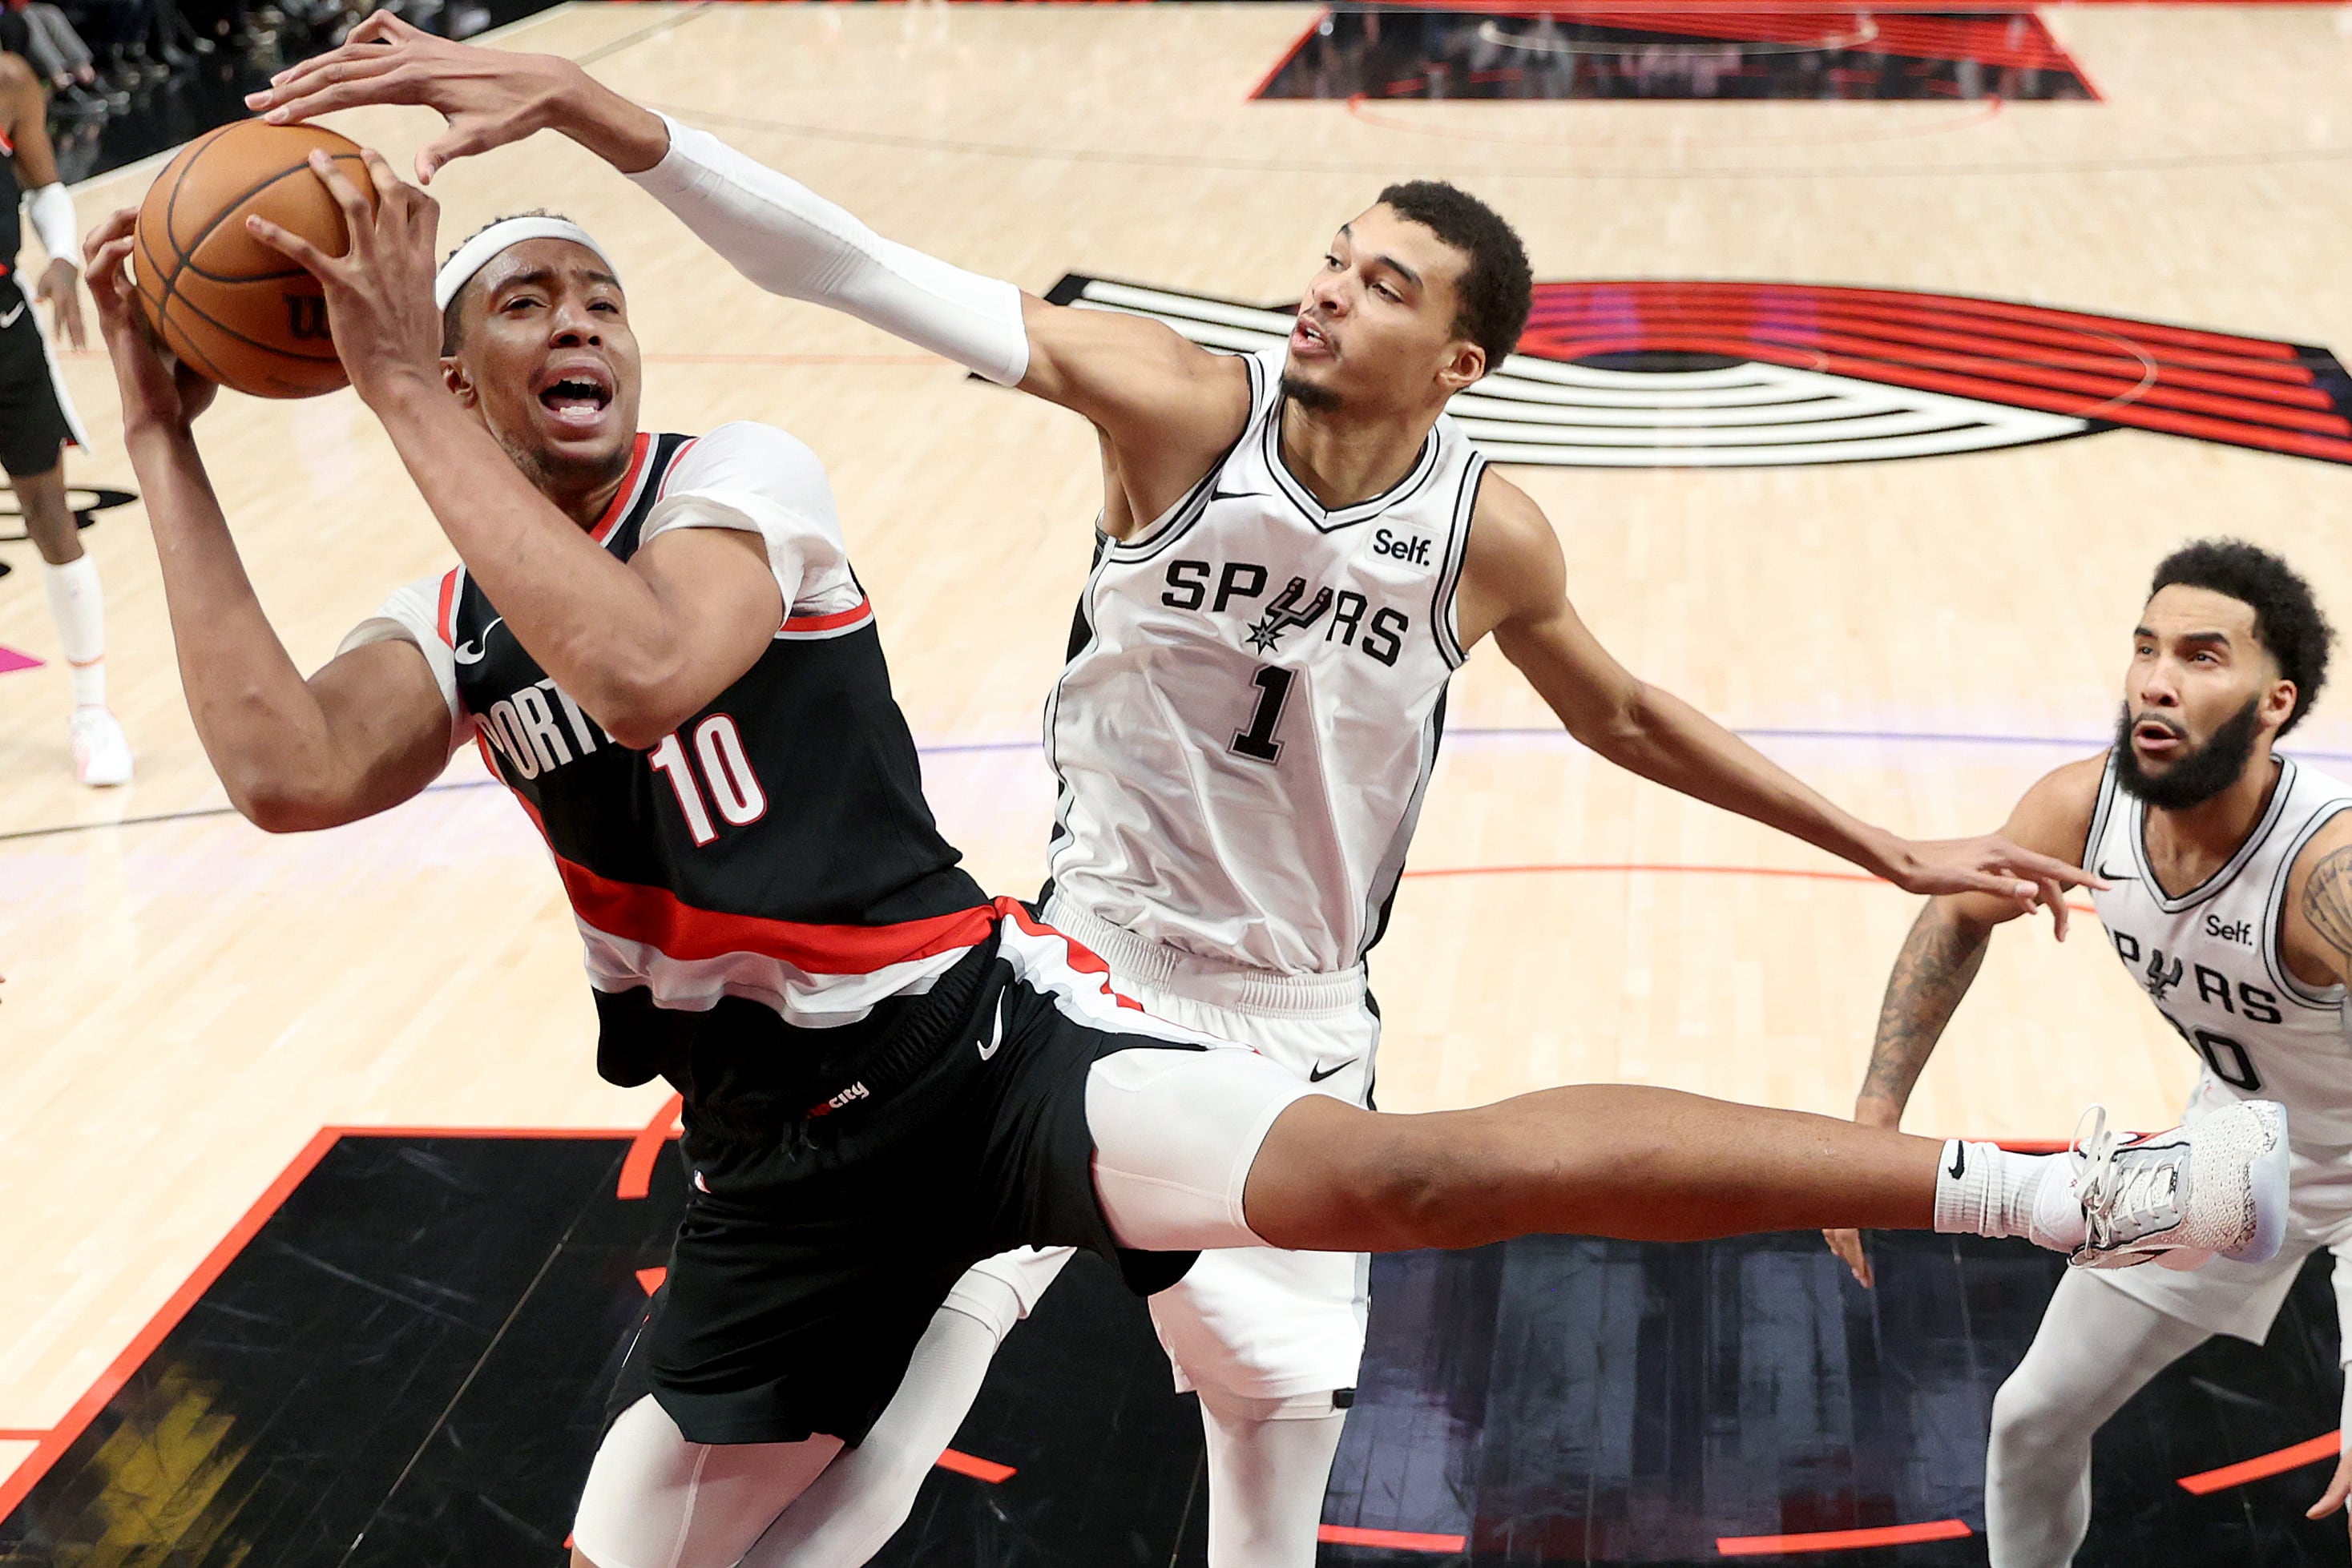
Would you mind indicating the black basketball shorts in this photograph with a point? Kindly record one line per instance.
(34, 425)
(820, 1236)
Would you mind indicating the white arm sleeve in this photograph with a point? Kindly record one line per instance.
(51, 209)
(413, 615)
(756, 480)
(788, 240)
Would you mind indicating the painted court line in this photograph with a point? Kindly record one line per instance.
(987, 1470)
(1395, 1539)
(2271, 1464)
(11, 660)
(1841, 1540)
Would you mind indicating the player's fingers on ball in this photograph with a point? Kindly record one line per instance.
(340, 186)
(293, 246)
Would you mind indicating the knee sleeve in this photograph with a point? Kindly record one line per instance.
(852, 1510)
(1175, 1133)
(1269, 1464)
(655, 1501)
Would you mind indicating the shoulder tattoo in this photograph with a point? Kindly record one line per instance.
(2327, 899)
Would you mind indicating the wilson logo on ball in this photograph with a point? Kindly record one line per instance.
(306, 317)
(1664, 374)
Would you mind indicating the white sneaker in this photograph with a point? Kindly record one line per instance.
(2218, 1187)
(101, 754)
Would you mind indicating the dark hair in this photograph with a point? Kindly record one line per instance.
(453, 312)
(2287, 619)
(1496, 288)
(16, 35)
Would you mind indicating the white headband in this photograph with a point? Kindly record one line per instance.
(502, 235)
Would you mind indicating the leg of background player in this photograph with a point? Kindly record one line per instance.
(2096, 1348)
(1269, 1466)
(863, 1498)
(101, 755)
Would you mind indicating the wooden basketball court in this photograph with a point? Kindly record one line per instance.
(189, 1001)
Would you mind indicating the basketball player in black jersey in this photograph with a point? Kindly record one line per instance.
(659, 646)
(36, 420)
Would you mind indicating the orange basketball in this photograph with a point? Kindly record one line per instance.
(229, 306)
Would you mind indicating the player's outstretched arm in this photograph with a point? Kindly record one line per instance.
(1940, 958)
(1514, 584)
(1166, 403)
(367, 731)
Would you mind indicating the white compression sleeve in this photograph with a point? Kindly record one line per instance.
(51, 209)
(788, 240)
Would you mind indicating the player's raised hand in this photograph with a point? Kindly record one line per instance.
(2340, 1486)
(379, 290)
(1989, 864)
(57, 290)
(490, 96)
(1847, 1245)
(158, 392)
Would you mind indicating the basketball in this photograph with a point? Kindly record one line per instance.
(234, 310)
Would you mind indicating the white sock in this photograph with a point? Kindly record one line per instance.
(1983, 1190)
(80, 610)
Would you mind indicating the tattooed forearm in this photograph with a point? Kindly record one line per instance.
(1939, 962)
(2328, 904)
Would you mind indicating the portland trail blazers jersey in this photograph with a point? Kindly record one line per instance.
(776, 847)
(2209, 958)
(1252, 707)
(12, 233)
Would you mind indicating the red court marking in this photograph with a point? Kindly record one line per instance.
(15, 1434)
(637, 1170)
(2279, 1463)
(1841, 1540)
(11, 661)
(1398, 1539)
(651, 1278)
(987, 1470)
(109, 1382)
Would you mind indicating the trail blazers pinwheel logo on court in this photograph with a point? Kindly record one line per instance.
(1729, 375)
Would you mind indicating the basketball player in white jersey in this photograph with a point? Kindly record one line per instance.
(1297, 549)
(2228, 899)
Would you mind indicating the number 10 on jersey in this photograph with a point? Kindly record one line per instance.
(727, 779)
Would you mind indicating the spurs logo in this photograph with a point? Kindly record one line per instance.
(1284, 613)
(306, 316)
(2159, 978)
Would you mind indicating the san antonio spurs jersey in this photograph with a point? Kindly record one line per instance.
(2209, 958)
(1252, 703)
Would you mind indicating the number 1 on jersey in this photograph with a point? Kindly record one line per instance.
(1257, 742)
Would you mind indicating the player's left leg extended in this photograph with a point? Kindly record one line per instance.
(1220, 1149)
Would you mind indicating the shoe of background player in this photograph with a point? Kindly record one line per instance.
(2218, 1187)
(101, 754)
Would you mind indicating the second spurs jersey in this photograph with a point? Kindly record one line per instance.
(1253, 704)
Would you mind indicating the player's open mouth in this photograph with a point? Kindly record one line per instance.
(1306, 338)
(2157, 739)
(578, 397)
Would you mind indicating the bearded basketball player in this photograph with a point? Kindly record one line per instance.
(1296, 550)
(2228, 899)
(37, 418)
